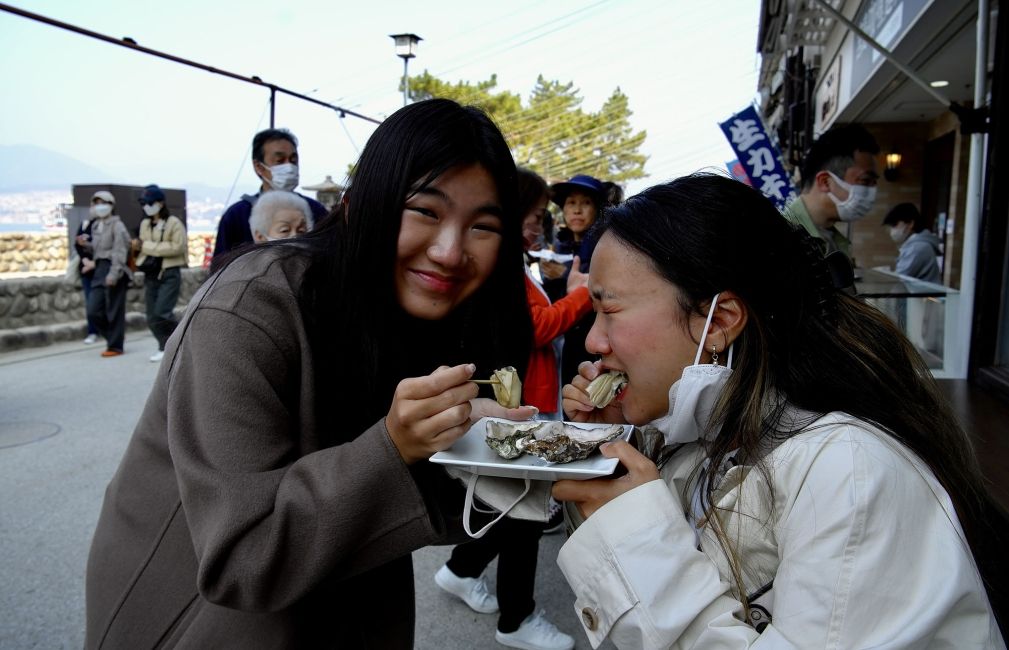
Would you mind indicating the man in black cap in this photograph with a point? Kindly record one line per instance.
(275, 161)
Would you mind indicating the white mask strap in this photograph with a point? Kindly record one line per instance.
(468, 507)
(704, 334)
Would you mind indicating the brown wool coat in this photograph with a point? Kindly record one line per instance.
(228, 523)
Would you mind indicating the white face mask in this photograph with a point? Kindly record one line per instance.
(152, 209)
(101, 210)
(859, 201)
(692, 398)
(283, 177)
(900, 233)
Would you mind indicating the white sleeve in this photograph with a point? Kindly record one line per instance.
(639, 579)
(869, 556)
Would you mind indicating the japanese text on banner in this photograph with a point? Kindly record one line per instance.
(759, 156)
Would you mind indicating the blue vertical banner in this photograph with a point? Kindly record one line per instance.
(758, 155)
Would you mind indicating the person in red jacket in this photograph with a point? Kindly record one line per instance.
(541, 387)
(515, 542)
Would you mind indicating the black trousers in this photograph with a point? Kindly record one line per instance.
(161, 296)
(516, 543)
(107, 306)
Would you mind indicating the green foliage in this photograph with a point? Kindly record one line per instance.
(552, 134)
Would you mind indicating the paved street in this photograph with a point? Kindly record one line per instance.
(65, 417)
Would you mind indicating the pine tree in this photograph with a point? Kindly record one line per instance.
(552, 134)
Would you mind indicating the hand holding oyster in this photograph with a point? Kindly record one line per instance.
(604, 388)
(506, 385)
(555, 442)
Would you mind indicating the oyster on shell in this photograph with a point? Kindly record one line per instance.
(605, 387)
(507, 387)
(563, 443)
(506, 438)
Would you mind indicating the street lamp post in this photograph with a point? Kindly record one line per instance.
(406, 48)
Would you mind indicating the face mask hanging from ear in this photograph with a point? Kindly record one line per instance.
(692, 398)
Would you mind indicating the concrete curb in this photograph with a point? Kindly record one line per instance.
(36, 336)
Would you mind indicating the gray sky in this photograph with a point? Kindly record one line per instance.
(685, 65)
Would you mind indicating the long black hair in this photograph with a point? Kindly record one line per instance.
(362, 341)
(805, 344)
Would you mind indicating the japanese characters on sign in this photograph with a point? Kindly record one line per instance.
(759, 156)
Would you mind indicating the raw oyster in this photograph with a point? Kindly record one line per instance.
(563, 443)
(605, 387)
(506, 438)
(507, 387)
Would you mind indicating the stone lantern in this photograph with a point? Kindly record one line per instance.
(327, 192)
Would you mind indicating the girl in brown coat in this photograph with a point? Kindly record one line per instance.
(278, 479)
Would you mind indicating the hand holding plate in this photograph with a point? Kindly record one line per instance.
(593, 494)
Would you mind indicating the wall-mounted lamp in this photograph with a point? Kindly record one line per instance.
(892, 165)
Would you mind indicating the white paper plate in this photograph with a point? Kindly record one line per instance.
(472, 454)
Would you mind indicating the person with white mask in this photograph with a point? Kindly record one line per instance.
(919, 248)
(800, 483)
(838, 185)
(280, 215)
(163, 251)
(110, 242)
(275, 161)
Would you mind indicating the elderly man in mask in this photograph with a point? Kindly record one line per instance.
(275, 161)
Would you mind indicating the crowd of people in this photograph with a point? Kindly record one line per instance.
(795, 480)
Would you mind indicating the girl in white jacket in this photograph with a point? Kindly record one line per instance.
(801, 483)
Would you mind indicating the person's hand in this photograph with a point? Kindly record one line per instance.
(576, 403)
(591, 495)
(87, 265)
(488, 408)
(430, 413)
(110, 281)
(136, 245)
(551, 270)
(83, 240)
(576, 278)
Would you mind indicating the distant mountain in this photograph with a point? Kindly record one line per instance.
(25, 167)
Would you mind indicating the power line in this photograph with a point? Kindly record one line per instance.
(129, 43)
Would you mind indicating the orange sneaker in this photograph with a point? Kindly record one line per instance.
(112, 353)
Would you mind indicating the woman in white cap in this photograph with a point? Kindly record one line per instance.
(111, 245)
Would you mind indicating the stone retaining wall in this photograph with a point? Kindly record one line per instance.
(23, 252)
(41, 310)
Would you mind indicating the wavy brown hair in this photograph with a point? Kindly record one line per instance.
(804, 345)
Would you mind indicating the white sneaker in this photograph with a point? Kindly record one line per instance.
(157, 356)
(536, 633)
(472, 591)
(90, 338)
(555, 523)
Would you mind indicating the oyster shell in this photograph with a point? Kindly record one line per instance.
(605, 387)
(563, 443)
(508, 387)
(506, 438)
